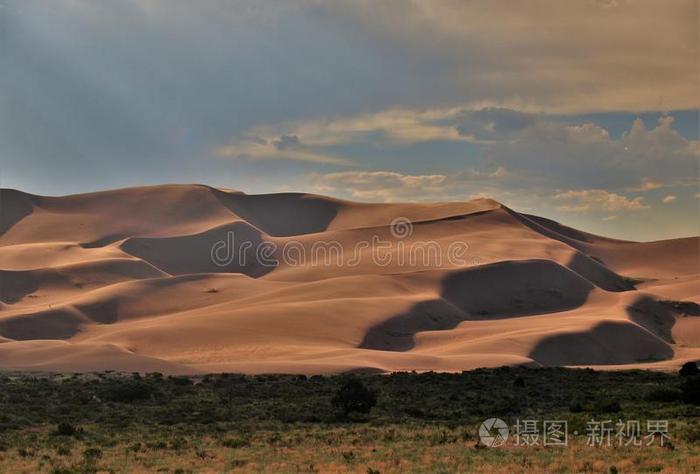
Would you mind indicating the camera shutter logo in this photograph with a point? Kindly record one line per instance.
(493, 432)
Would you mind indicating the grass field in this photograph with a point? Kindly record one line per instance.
(421, 422)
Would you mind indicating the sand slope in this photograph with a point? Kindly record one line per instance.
(190, 279)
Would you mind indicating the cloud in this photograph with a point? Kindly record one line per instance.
(646, 184)
(286, 147)
(586, 156)
(388, 186)
(394, 126)
(492, 122)
(563, 56)
(311, 140)
(669, 199)
(543, 150)
(609, 218)
(597, 200)
(287, 141)
(531, 156)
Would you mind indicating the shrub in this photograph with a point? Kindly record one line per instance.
(354, 397)
(689, 369)
(65, 429)
(63, 450)
(91, 454)
(126, 391)
(182, 381)
(664, 395)
(691, 390)
(691, 434)
(236, 442)
(608, 407)
(25, 453)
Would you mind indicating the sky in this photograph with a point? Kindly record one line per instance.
(583, 111)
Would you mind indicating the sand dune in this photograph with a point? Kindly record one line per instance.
(190, 279)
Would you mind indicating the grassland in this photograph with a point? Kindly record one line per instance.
(426, 422)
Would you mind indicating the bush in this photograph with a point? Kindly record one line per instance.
(664, 395)
(182, 381)
(691, 434)
(236, 442)
(65, 429)
(354, 397)
(608, 407)
(91, 454)
(691, 391)
(689, 369)
(127, 391)
(63, 450)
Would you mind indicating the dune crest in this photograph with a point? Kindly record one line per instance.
(191, 279)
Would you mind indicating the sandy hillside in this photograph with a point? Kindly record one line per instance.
(189, 279)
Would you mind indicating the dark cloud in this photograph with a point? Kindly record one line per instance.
(286, 142)
(586, 156)
(493, 122)
(104, 93)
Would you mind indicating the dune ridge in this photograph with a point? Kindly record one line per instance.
(127, 280)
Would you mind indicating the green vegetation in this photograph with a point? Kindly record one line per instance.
(401, 422)
(354, 397)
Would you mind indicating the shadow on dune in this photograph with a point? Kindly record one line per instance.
(101, 312)
(597, 273)
(59, 323)
(236, 248)
(397, 333)
(62, 323)
(607, 343)
(14, 206)
(103, 241)
(15, 285)
(645, 338)
(495, 291)
(656, 317)
(284, 214)
(554, 229)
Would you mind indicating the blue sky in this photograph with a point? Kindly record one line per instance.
(585, 111)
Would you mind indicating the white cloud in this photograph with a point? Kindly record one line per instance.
(393, 126)
(533, 146)
(585, 156)
(285, 147)
(646, 184)
(388, 186)
(597, 200)
(669, 199)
